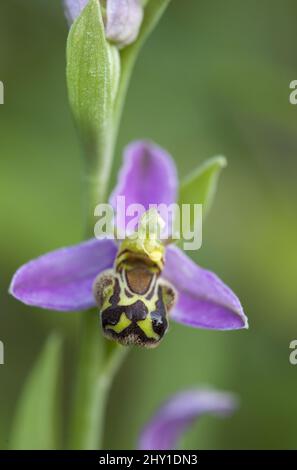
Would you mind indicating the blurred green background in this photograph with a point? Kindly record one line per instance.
(213, 79)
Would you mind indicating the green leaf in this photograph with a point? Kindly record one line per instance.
(201, 186)
(93, 71)
(35, 424)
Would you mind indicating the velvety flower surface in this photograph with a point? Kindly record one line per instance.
(123, 18)
(62, 279)
(177, 414)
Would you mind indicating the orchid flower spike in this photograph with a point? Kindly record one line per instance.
(174, 417)
(122, 18)
(141, 283)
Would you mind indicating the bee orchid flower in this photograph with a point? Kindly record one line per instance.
(175, 416)
(137, 293)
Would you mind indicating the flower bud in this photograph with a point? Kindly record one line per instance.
(122, 18)
(123, 21)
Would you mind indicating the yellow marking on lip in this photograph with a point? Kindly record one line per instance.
(122, 324)
(146, 326)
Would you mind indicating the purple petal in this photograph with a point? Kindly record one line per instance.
(204, 301)
(62, 279)
(124, 18)
(148, 177)
(73, 8)
(176, 415)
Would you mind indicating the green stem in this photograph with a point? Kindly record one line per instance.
(97, 175)
(98, 364)
(99, 358)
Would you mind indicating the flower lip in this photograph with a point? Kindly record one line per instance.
(176, 415)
